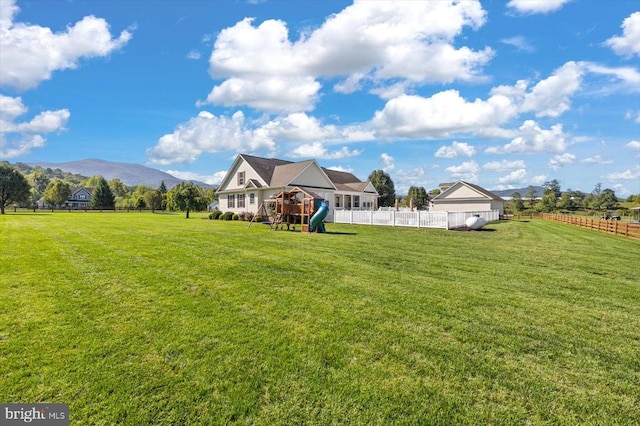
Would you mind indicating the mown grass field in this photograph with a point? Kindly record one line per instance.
(139, 318)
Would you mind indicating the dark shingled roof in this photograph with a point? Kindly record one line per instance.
(338, 177)
(264, 166)
(487, 193)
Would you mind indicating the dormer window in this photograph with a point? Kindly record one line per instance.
(240, 178)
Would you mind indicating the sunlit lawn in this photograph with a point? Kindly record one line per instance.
(141, 318)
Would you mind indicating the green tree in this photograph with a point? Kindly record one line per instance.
(551, 195)
(607, 199)
(162, 190)
(101, 197)
(139, 195)
(552, 187)
(153, 200)
(567, 201)
(186, 196)
(590, 202)
(38, 181)
(577, 198)
(635, 199)
(516, 202)
(118, 189)
(531, 196)
(596, 201)
(419, 196)
(382, 182)
(57, 193)
(92, 182)
(14, 187)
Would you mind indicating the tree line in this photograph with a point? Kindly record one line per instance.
(31, 189)
(556, 200)
(417, 196)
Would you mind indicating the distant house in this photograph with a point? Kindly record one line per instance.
(464, 196)
(79, 198)
(252, 180)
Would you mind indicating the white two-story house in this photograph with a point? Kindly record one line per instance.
(252, 180)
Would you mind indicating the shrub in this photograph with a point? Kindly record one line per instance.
(245, 216)
(257, 218)
(227, 216)
(235, 216)
(215, 214)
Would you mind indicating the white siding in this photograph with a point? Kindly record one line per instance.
(248, 174)
(464, 192)
(312, 176)
(462, 206)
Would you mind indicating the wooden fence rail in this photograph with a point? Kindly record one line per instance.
(625, 229)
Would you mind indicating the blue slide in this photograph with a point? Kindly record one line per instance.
(316, 224)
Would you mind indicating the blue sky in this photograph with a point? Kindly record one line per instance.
(504, 94)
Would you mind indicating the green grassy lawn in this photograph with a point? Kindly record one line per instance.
(139, 318)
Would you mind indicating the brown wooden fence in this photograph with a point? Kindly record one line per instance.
(629, 230)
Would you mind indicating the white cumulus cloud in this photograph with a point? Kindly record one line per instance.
(387, 162)
(31, 53)
(300, 127)
(318, 150)
(516, 176)
(211, 179)
(551, 96)
(21, 137)
(208, 133)
(533, 138)
(561, 160)
(628, 44)
(596, 159)
(444, 113)
(629, 174)
(376, 41)
(539, 180)
(467, 171)
(454, 150)
(504, 165)
(530, 7)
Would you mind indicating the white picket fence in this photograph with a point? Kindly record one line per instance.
(416, 219)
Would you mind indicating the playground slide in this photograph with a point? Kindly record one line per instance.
(318, 217)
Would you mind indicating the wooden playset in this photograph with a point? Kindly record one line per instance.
(291, 209)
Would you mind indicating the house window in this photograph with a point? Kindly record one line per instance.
(231, 201)
(240, 178)
(240, 201)
(252, 198)
(356, 201)
(338, 201)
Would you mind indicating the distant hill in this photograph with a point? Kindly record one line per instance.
(523, 192)
(130, 174)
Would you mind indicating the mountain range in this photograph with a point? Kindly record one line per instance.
(135, 174)
(130, 174)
